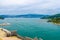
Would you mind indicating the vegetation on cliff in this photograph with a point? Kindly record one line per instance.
(55, 18)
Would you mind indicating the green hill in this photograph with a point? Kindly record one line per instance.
(54, 18)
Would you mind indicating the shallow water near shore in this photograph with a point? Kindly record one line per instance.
(33, 27)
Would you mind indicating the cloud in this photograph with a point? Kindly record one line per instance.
(16, 2)
(29, 6)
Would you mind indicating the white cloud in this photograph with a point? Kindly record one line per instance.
(30, 6)
(16, 2)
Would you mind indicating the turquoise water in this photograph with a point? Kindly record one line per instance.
(33, 27)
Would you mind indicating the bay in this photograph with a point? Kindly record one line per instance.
(33, 27)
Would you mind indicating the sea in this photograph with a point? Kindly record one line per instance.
(33, 27)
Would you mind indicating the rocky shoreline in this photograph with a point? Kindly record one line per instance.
(6, 35)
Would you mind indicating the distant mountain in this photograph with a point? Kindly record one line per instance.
(24, 16)
(1, 17)
(32, 16)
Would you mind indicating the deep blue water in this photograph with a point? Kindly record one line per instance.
(33, 27)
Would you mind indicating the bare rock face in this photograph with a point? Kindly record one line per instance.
(35, 38)
(27, 38)
(13, 33)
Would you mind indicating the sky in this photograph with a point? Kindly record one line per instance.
(17, 7)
